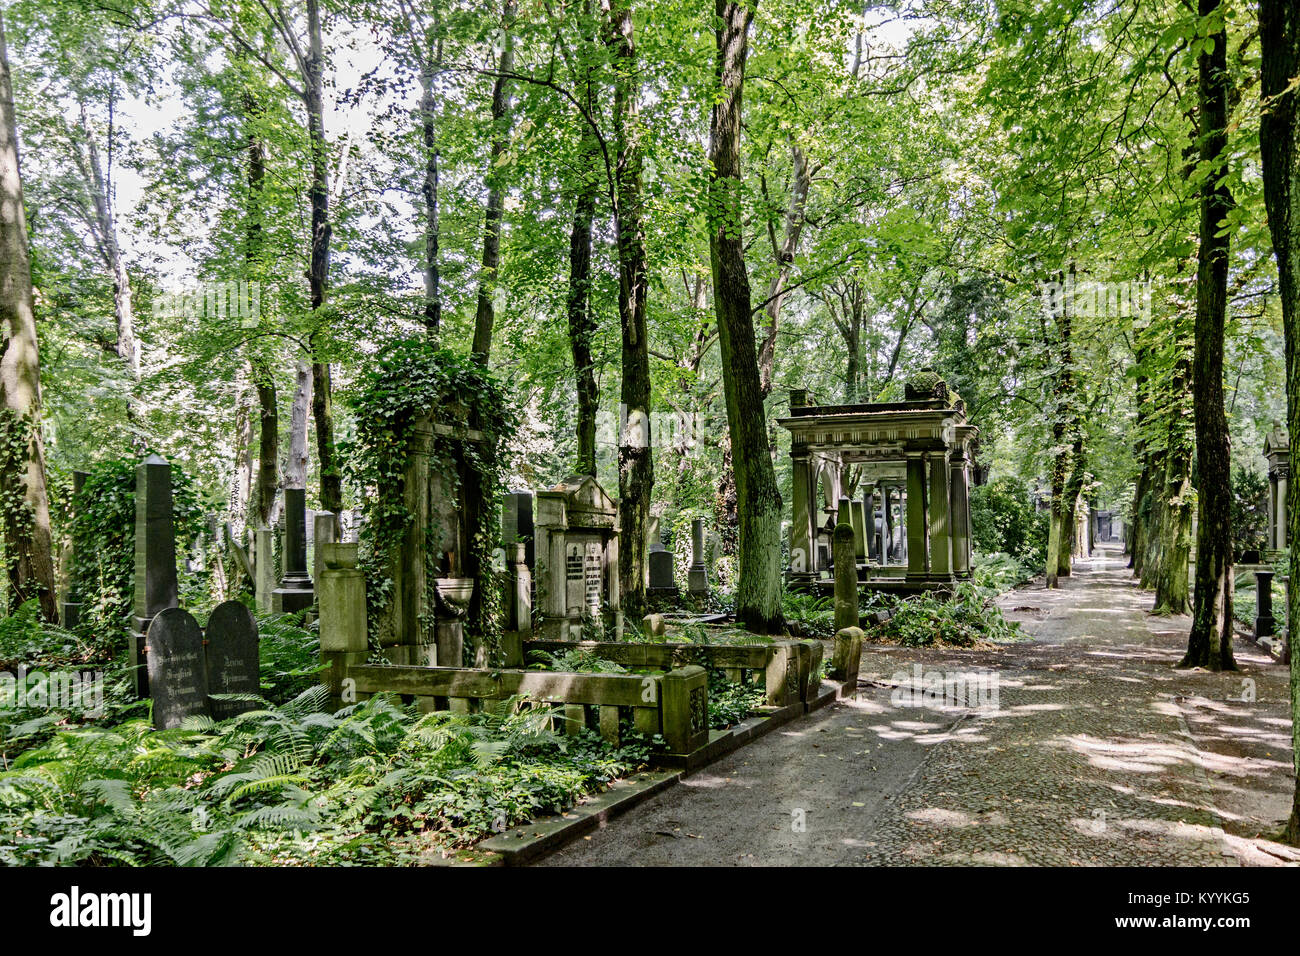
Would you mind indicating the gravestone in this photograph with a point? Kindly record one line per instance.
(264, 568)
(178, 678)
(70, 613)
(697, 576)
(325, 530)
(576, 529)
(295, 590)
(1265, 625)
(155, 560)
(232, 658)
(663, 583)
(846, 578)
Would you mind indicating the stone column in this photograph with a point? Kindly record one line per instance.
(866, 512)
(295, 591)
(1270, 542)
(801, 523)
(697, 576)
(917, 565)
(155, 560)
(959, 496)
(940, 525)
(887, 555)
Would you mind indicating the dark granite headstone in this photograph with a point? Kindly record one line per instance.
(1265, 625)
(178, 678)
(70, 613)
(155, 559)
(232, 658)
(661, 571)
(295, 590)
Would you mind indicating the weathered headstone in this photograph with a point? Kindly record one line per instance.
(178, 679)
(325, 530)
(233, 663)
(1265, 625)
(155, 560)
(70, 613)
(654, 625)
(295, 590)
(846, 578)
(847, 657)
(663, 583)
(342, 604)
(697, 576)
(263, 568)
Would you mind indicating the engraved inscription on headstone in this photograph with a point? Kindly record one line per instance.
(178, 679)
(232, 658)
(593, 577)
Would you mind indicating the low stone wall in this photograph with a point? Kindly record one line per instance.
(674, 704)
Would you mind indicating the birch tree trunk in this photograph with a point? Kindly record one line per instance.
(26, 513)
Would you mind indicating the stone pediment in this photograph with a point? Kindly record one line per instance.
(585, 498)
(1276, 441)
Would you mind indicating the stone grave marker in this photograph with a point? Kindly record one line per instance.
(232, 658)
(155, 559)
(178, 678)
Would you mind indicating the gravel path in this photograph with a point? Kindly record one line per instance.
(1095, 751)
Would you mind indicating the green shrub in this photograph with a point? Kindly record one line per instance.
(967, 617)
(1003, 519)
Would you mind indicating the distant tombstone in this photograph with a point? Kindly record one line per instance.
(233, 663)
(264, 567)
(697, 576)
(178, 679)
(517, 523)
(155, 559)
(70, 613)
(325, 528)
(662, 580)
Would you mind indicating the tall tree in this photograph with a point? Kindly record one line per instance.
(636, 474)
(485, 313)
(1279, 136)
(26, 512)
(1209, 644)
(758, 590)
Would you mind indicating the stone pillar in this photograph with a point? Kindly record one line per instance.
(325, 531)
(959, 496)
(155, 560)
(801, 524)
(341, 597)
(917, 565)
(940, 525)
(846, 578)
(697, 576)
(1265, 625)
(847, 657)
(1270, 541)
(684, 699)
(263, 568)
(887, 555)
(295, 591)
(70, 613)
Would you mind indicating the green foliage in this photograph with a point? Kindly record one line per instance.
(102, 531)
(1249, 510)
(373, 783)
(815, 616)
(577, 661)
(1003, 518)
(731, 702)
(998, 572)
(966, 618)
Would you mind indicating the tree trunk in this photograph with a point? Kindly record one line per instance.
(1210, 642)
(331, 485)
(295, 468)
(1062, 443)
(432, 280)
(582, 323)
(784, 256)
(1279, 135)
(635, 459)
(268, 416)
(485, 316)
(26, 516)
(758, 500)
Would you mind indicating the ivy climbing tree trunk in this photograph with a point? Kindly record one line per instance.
(1210, 642)
(26, 507)
(758, 500)
(636, 474)
(1279, 135)
(485, 313)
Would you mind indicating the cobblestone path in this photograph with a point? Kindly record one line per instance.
(1097, 752)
